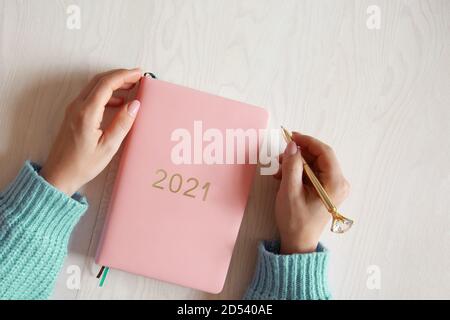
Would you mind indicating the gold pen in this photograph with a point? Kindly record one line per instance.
(340, 224)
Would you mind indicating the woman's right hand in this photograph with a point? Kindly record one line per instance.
(301, 216)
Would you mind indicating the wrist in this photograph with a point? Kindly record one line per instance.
(56, 181)
(298, 245)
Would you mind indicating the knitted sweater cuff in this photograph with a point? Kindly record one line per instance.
(31, 201)
(290, 277)
(36, 221)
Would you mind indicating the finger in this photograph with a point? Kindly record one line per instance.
(93, 82)
(278, 175)
(280, 158)
(325, 165)
(322, 155)
(105, 87)
(120, 126)
(86, 90)
(309, 158)
(292, 168)
(115, 101)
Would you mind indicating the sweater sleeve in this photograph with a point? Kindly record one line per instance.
(289, 277)
(36, 221)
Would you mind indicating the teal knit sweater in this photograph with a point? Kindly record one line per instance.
(36, 221)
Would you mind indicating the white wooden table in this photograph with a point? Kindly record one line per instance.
(380, 97)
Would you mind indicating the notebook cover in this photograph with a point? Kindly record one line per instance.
(167, 234)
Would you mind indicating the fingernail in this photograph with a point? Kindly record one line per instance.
(133, 108)
(291, 149)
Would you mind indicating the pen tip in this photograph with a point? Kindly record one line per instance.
(286, 131)
(286, 134)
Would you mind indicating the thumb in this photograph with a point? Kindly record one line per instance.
(292, 169)
(121, 125)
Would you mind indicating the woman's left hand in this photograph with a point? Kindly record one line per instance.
(82, 148)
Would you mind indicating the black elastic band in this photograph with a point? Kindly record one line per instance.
(99, 274)
(150, 74)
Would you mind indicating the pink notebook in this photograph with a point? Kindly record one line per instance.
(179, 222)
